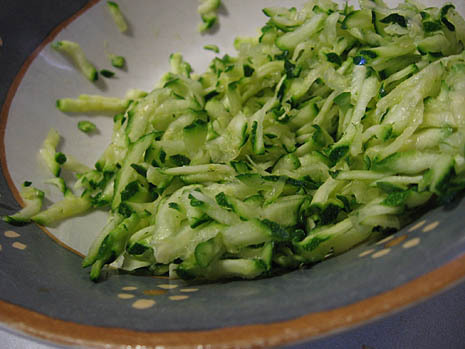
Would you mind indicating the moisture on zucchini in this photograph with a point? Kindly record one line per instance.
(331, 127)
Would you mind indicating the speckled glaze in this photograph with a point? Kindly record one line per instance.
(45, 292)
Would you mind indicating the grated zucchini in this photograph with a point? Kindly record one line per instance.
(329, 127)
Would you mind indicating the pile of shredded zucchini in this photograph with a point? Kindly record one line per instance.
(332, 125)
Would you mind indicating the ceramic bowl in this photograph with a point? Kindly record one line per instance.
(43, 290)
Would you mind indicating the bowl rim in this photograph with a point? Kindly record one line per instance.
(300, 329)
(303, 328)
